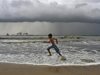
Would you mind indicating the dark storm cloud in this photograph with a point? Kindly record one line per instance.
(96, 10)
(19, 3)
(81, 5)
(92, 0)
(49, 11)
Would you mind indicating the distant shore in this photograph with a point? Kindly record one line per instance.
(19, 69)
(42, 38)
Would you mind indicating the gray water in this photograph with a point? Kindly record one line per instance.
(76, 52)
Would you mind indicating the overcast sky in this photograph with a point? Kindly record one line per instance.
(45, 16)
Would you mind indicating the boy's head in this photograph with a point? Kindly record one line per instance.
(50, 35)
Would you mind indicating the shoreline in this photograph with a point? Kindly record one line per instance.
(22, 69)
(53, 65)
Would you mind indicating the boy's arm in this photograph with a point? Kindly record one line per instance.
(56, 40)
(46, 41)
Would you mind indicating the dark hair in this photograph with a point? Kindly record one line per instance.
(50, 35)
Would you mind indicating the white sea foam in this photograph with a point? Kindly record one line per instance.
(76, 52)
(88, 64)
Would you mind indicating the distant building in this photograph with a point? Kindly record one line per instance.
(25, 34)
(19, 34)
(7, 34)
(22, 34)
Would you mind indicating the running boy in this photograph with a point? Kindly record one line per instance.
(52, 41)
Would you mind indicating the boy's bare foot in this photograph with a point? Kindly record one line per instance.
(63, 58)
(49, 55)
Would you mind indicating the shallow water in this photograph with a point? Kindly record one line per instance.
(76, 52)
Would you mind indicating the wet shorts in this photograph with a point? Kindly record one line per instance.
(55, 47)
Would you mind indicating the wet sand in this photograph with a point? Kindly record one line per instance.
(19, 69)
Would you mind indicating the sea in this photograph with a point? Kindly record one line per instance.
(83, 51)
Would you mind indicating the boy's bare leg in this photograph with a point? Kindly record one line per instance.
(49, 52)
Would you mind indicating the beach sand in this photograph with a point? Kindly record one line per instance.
(19, 69)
